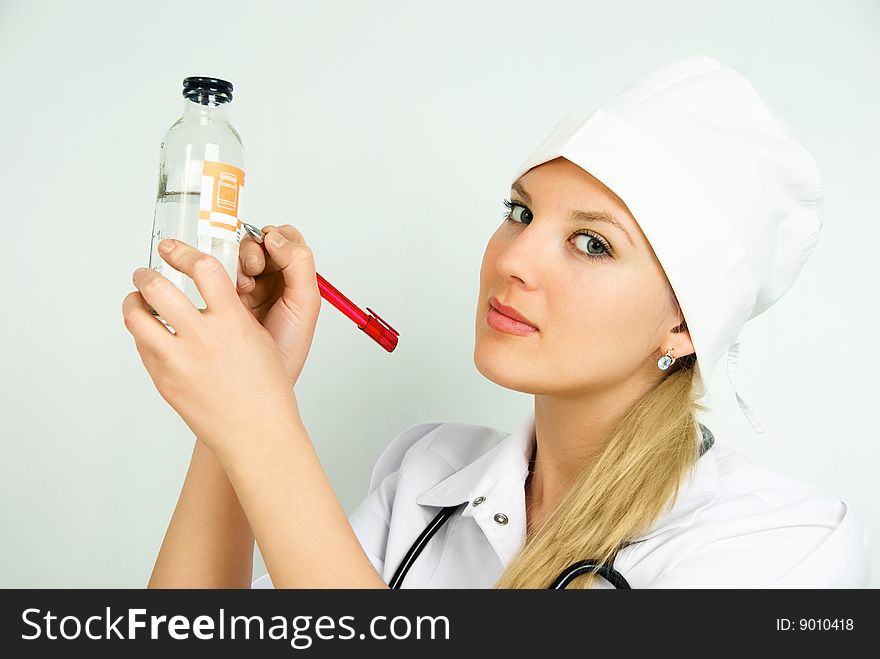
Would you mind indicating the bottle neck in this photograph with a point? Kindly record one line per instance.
(212, 110)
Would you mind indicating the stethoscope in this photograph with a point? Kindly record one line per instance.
(605, 570)
(565, 577)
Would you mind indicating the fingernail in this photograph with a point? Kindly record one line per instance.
(277, 239)
(165, 246)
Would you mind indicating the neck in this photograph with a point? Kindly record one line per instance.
(213, 110)
(569, 434)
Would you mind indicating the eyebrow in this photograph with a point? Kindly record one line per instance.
(581, 216)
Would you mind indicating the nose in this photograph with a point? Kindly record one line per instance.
(520, 254)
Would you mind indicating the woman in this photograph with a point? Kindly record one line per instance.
(637, 241)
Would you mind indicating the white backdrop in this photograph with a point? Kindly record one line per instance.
(387, 133)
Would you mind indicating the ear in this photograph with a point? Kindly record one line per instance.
(680, 341)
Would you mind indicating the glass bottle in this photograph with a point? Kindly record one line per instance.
(201, 181)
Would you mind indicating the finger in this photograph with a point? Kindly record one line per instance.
(244, 283)
(290, 233)
(288, 249)
(205, 270)
(251, 257)
(263, 289)
(169, 301)
(147, 330)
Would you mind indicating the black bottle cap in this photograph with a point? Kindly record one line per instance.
(200, 90)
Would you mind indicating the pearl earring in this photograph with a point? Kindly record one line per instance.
(666, 360)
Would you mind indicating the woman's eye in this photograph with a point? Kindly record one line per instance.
(592, 243)
(525, 215)
(519, 214)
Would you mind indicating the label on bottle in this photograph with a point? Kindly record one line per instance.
(219, 201)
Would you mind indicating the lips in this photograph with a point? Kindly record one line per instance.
(510, 312)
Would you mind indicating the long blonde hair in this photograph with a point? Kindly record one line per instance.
(633, 479)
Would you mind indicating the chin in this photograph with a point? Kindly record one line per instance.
(497, 367)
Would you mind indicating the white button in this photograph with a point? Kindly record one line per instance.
(501, 518)
(478, 501)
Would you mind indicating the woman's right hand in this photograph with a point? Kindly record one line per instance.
(288, 311)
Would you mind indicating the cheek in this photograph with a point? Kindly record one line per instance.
(606, 314)
(591, 311)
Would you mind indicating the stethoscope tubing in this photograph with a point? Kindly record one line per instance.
(419, 544)
(575, 570)
(565, 577)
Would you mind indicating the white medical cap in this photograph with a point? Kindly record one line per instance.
(730, 202)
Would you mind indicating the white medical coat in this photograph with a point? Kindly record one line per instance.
(734, 524)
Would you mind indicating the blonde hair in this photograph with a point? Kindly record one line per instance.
(634, 478)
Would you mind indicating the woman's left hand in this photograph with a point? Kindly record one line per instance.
(221, 370)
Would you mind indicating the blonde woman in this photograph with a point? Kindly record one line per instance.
(636, 242)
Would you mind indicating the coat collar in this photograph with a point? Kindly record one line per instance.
(499, 476)
(495, 481)
(502, 466)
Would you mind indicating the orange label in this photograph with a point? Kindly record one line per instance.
(220, 200)
(227, 184)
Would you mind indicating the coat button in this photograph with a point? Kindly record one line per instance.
(501, 518)
(478, 501)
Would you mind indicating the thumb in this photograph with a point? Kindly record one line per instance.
(297, 264)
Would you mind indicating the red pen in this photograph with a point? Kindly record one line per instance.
(369, 323)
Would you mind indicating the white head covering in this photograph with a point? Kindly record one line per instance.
(730, 202)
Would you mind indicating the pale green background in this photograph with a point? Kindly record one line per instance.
(387, 132)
